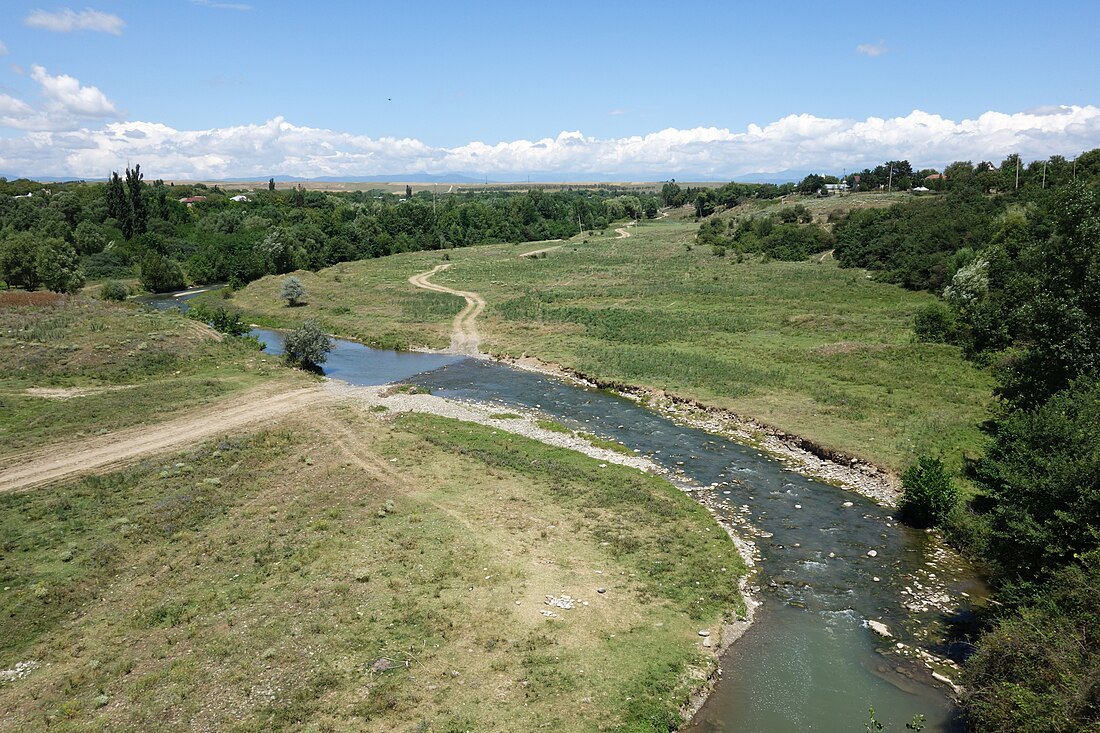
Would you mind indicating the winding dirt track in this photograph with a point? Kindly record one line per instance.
(464, 335)
(623, 233)
(64, 460)
(537, 252)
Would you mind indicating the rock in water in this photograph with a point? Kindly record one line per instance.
(880, 629)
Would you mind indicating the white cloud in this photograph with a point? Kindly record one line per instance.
(67, 20)
(3, 49)
(795, 142)
(64, 104)
(872, 49)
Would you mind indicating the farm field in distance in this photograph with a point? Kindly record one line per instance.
(806, 347)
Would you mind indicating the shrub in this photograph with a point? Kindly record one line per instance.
(307, 346)
(934, 322)
(929, 493)
(292, 291)
(219, 318)
(114, 290)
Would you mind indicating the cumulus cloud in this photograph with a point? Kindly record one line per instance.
(794, 142)
(871, 49)
(64, 104)
(67, 20)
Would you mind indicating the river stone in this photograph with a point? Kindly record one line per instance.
(872, 553)
(601, 589)
(704, 633)
(707, 642)
(880, 629)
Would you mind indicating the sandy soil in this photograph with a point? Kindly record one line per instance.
(62, 461)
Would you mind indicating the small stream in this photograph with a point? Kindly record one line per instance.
(808, 662)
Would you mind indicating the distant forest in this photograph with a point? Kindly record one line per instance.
(59, 234)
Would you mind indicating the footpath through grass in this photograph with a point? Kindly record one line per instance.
(337, 573)
(71, 367)
(806, 347)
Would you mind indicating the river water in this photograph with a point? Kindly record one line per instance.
(809, 662)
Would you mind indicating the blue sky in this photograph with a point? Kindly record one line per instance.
(280, 83)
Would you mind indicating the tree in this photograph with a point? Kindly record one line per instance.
(307, 346)
(929, 493)
(139, 213)
(19, 261)
(292, 291)
(811, 184)
(1043, 473)
(58, 266)
(117, 206)
(160, 274)
(89, 238)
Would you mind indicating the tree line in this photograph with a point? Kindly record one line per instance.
(171, 236)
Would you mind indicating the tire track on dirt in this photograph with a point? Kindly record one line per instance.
(464, 335)
(64, 460)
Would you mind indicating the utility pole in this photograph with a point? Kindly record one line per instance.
(1017, 171)
(1075, 168)
(1044, 175)
(890, 178)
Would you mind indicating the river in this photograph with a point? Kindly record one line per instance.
(829, 560)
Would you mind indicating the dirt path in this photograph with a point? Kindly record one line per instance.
(464, 335)
(822, 257)
(623, 233)
(57, 462)
(537, 252)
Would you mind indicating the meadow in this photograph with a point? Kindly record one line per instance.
(300, 579)
(335, 570)
(71, 367)
(806, 347)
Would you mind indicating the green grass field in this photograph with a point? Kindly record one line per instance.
(125, 365)
(331, 571)
(297, 579)
(806, 347)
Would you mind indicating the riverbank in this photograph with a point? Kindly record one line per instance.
(389, 401)
(801, 455)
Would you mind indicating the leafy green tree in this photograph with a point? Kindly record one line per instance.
(292, 291)
(1042, 473)
(929, 495)
(139, 213)
(89, 238)
(160, 274)
(307, 346)
(58, 266)
(19, 261)
(811, 184)
(118, 207)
